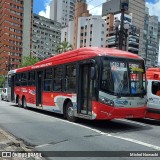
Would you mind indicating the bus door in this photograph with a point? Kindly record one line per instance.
(39, 76)
(85, 90)
(12, 88)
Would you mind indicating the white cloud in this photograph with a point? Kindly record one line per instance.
(46, 11)
(154, 8)
(95, 10)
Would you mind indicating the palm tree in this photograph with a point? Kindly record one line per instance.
(63, 47)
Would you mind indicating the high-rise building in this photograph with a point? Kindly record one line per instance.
(131, 37)
(159, 43)
(151, 40)
(85, 30)
(80, 11)
(15, 32)
(62, 11)
(46, 36)
(91, 32)
(136, 7)
(67, 33)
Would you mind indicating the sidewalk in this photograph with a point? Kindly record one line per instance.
(9, 143)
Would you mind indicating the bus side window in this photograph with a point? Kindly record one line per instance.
(24, 79)
(48, 79)
(57, 79)
(70, 82)
(18, 80)
(31, 78)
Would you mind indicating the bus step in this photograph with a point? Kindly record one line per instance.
(84, 116)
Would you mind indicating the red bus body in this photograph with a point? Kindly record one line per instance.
(57, 101)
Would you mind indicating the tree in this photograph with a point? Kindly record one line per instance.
(2, 79)
(63, 47)
(28, 60)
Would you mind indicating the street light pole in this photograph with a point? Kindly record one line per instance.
(121, 32)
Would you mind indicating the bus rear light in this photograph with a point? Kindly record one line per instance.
(156, 75)
(106, 101)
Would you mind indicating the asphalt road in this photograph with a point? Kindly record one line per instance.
(44, 131)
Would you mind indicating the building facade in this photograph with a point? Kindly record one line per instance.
(62, 11)
(91, 32)
(131, 36)
(67, 33)
(14, 21)
(136, 7)
(151, 40)
(46, 36)
(80, 11)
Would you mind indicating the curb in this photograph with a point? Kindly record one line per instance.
(10, 143)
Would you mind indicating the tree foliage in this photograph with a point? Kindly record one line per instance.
(28, 60)
(63, 47)
(2, 79)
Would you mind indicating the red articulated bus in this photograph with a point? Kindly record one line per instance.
(153, 93)
(91, 83)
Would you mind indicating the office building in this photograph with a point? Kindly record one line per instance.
(46, 36)
(15, 32)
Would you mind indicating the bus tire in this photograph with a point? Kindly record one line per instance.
(18, 102)
(24, 104)
(70, 112)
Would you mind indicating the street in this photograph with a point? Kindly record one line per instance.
(45, 131)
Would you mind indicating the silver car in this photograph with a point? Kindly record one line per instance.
(4, 94)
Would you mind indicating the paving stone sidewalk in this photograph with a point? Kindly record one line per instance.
(9, 143)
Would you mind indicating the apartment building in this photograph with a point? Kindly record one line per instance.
(15, 20)
(62, 11)
(91, 32)
(151, 40)
(131, 36)
(67, 33)
(80, 11)
(46, 36)
(136, 7)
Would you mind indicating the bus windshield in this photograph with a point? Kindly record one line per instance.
(122, 77)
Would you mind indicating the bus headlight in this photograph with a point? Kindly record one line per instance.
(106, 101)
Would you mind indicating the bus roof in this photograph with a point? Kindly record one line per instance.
(153, 73)
(80, 54)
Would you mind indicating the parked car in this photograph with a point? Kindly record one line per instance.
(4, 94)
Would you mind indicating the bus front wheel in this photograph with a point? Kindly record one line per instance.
(70, 112)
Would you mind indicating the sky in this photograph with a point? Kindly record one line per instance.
(42, 8)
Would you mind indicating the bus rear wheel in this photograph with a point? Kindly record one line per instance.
(24, 104)
(18, 102)
(70, 112)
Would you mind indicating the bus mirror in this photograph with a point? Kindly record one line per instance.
(93, 73)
